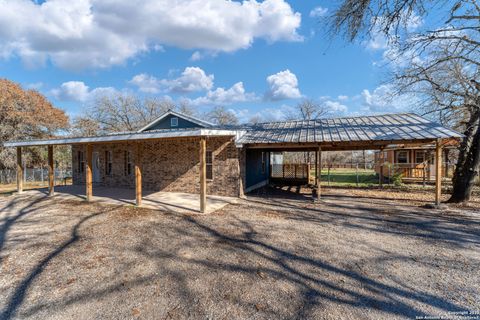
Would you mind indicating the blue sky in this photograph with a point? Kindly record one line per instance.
(255, 58)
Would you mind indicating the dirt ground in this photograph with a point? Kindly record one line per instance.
(355, 255)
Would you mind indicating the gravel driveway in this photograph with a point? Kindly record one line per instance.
(352, 256)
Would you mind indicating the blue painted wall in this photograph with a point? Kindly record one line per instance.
(182, 124)
(254, 173)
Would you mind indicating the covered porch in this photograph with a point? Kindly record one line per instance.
(174, 202)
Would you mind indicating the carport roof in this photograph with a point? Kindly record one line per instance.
(378, 128)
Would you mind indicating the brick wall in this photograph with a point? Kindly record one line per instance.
(169, 165)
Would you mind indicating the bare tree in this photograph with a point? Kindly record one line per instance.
(308, 109)
(222, 116)
(440, 66)
(121, 112)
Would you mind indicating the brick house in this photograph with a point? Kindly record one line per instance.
(180, 153)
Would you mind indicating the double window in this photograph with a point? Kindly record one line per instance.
(127, 163)
(108, 163)
(209, 164)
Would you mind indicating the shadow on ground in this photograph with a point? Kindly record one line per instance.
(269, 257)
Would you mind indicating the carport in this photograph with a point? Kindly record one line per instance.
(349, 133)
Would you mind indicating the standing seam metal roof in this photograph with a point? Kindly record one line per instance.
(388, 127)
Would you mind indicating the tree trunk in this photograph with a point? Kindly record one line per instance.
(468, 164)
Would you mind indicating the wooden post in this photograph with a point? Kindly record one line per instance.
(51, 172)
(19, 170)
(138, 175)
(381, 159)
(438, 172)
(316, 169)
(203, 175)
(320, 172)
(88, 171)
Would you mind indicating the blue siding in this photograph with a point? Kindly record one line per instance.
(182, 124)
(254, 173)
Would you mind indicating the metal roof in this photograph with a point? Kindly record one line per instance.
(126, 136)
(388, 127)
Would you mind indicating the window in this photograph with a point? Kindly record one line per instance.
(127, 163)
(174, 122)
(420, 156)
(108, 163)
(402, 157)
(263, 163)
(80, 162)
(209, 164)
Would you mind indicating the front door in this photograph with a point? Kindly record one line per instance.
(96, 168)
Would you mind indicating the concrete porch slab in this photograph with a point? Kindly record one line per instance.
(176, 202)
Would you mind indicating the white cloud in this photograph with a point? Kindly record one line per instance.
(192, 79)
(222, 96)
(282, 85)
(146, 83)
(383, 100)
(99, 33)
(71, 91)
(318, 12)
(342, 97)
(335, 107)
(196, 56)
(78, 91)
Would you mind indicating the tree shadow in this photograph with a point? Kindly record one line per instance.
(302, 271)
(18, 296)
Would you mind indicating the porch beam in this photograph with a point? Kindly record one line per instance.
(203, 175)
(19, 170)
(438, 172)
(138, 174)
(88, 172)
(51, 172)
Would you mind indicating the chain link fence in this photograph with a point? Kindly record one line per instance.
(35, 175)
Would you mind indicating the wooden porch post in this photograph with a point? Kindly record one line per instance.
(203, 175)
(51, 172)
(381, 159)
(88, 171)
(138, 175)
(438, 172)
(319, 175)
(19, 170)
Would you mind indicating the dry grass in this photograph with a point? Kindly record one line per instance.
(353, 256)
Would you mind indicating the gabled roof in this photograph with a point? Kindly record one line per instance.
(388, 127)
(201, 123)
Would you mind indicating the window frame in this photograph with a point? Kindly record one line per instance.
(108, 162)
(264, 163)
(420, 152)
(81, 161)
(209, 157)
(174, 122)
(399, 152)
(127, 163)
